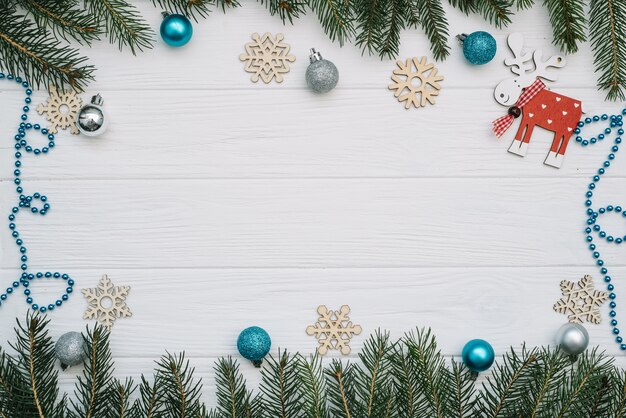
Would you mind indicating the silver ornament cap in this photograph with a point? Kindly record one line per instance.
(70, 349)
(321, 75)
(572, 338)
(91, 120)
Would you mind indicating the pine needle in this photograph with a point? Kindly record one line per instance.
(568, 23)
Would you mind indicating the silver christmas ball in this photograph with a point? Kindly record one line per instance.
(70, 349)
(321, 75)
(91, 120)
(572, 338)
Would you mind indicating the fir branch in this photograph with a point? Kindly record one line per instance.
(549, 371)
(466, 6)
(463, 399)
(37, 56)
(287, 10)
(335, 17)
(189, 8)
(524, 4)
(227, 4)
(311, 386)
(607, 28)
(148, 400)
(432, 19)
(279, 387)
(178, 392)
(406, 384)
(92, 388)
(618, 400)
(14, 396)
(496, 12)
(373, 375)
(35, 361)
(122, 23)
(395, 21)
(567, 18)
(342, 393)
(233, 398)
(63, 19)
(578, 394)
(506, 388)
(434, 379)
(369, 19)
(119, 400)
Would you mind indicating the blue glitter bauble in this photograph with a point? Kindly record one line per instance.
(254, 343)
(478, 355)
(479, 47)
(176, 30)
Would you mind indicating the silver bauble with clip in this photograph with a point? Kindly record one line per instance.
(91, 119)
(321, 75)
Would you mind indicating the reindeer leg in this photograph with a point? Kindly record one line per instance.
(557, 150)
(522, 138)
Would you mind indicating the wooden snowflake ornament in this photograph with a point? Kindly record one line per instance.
(581, 301)
(61, 110)
(415, 82)
(267, 57)
(333, 330)
(107, 302)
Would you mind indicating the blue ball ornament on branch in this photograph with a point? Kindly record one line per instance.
(478, 355)
(176, 29)
(253, 344)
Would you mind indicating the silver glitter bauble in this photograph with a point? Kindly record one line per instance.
(572, 338)
(91, 120)
(321, 75)
(70, 349)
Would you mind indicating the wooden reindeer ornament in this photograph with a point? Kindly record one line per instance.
(528, 96)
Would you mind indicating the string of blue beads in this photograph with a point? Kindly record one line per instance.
(593, 227)
(27, 202)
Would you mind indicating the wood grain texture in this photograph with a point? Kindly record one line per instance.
(224, 203)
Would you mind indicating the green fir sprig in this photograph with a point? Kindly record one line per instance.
(405, 378)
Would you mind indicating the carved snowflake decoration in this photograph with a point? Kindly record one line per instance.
(61, 110)
(333, 329)
(107, 302)
(415, 82)
(267, 57)
(581, 301)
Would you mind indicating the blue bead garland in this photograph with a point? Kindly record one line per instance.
(615, 123)
(36, 204)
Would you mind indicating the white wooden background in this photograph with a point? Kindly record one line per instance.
(226, 204)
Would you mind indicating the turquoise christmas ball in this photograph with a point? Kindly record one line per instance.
(254, 343)
(479, 47)
(176, 30)
(478, 355)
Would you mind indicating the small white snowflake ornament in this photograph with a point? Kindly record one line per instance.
(333, 330)
(61, 109)
(267, 57)
(581, 301)
(107, 302)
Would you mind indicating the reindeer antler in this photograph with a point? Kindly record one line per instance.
(541, 67)
(520, 63)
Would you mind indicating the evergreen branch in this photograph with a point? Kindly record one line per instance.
(434, 379)
(122, 23)
(227, 4)
(335, 17)
(432, 18)
(463, 397)
(568, 23)
(189, 8)
(373, 375)
(178, 392)
(395, 21)
(524, 4)
(63, 19)
(618, 400)
(548, 376)
(279, 387)
(406, 384)
(496, 12)
(92, 388)
(466, 6)
(342, 393)
(36, 358)
(233, 398)
(148, 404)
(369, 18)
(40, 58)
(607, 26)
(312, 386)
(287, 10)
(119, 404)
(504, 390)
